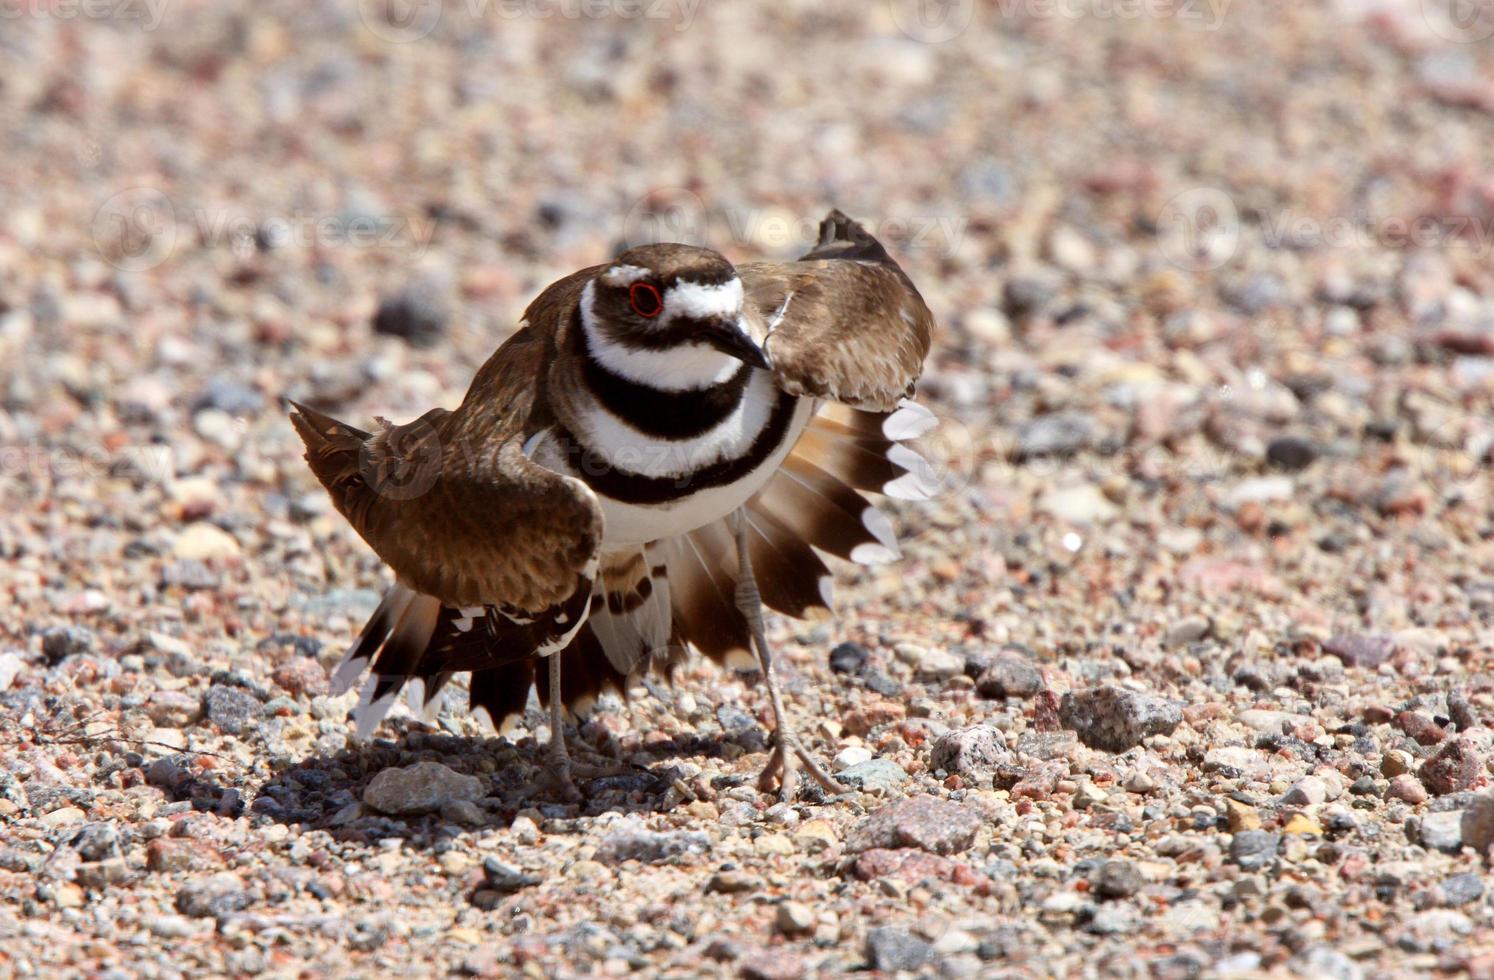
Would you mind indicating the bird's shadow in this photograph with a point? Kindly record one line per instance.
(325, 792)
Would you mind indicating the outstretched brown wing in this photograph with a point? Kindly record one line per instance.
(450, 502)
(844, 322)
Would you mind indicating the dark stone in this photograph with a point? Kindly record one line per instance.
(61, 642)
(1460, 710)
(502, 878)
(1026, 294)
(1254, 849)
(1009, 676)
(418, 314)
(1291, 453)
(97, 841)
(168, 773)
(892, 949)
(849, 658)
(230, 708)
(879, 682)
(1117, 879)
(214, 896)
(1113, 719)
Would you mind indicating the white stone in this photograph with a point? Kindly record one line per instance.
(852, 755)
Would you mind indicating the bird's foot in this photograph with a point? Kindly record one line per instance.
(782, 770)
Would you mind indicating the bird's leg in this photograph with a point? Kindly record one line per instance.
(788, 752)
(559, 757)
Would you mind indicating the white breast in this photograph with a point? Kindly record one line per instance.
(629, 525)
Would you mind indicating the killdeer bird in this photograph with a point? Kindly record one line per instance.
(663, 448)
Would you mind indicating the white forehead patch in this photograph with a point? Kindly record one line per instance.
(624, 275)
(701, 302)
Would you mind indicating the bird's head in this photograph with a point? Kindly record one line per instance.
(675, 300)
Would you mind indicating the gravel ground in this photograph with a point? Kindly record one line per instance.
(1187, 674)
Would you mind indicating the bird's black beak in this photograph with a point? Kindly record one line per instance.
(731, 338)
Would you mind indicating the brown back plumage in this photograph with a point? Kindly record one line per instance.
(844, 322)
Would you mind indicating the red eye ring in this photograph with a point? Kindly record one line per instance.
(646, 300)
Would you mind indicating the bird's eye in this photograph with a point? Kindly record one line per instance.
(646, 300)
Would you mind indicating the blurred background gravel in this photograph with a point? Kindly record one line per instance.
(1188, 673)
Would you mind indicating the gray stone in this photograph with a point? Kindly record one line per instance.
(1059, 434)
(1114, 719)
(230, 708)
(1114, 920)
(632, 841)
(973, 752)
(421, 788)
(924, 822)
(1477, 825)
(1254, 849)
(1460, 889)
(1328, 963)
(1189, 629)
(891, 950)
(1307, 791)
(877, 774)
(1442, 831)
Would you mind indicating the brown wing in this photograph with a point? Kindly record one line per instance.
(450, 502)
(844, 322)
